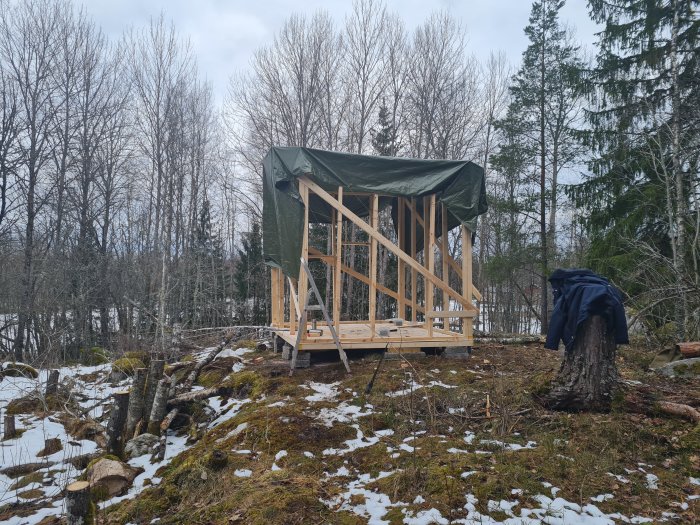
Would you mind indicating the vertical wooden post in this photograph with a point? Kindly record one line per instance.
(414, 273)
(467, 322)
(337, 276)
(401, 276)
(430, 261)
(274, 296)
(445, 266)
(303, 289)
(280, 297)
(293, 307)
(374, 222)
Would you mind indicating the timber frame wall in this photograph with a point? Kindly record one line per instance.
(414, 333)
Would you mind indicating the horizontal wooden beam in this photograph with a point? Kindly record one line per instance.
(440, 314)
(372, 232)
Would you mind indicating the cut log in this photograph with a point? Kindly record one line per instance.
(194, 374)
(114, 476)
(160, 406)
(10, 430)
(155, 374)
(79, 510)
(197, 395)
(52, 383)
(690, 349)
(136, 402)
(679, 409)
(25, 468)
(117, 422)
(588, 375)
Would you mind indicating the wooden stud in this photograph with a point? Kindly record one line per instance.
(294, 312)
(445, 266)
(274, 293)
(414, 274)
(374, 222)
(303, 282)
(337, 276)
(430, 260)
(401, 275)
(467, 324)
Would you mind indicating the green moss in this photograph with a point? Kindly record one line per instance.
(19, 370)
(128, 365)
(211, 377)
(94, 356)
(245, 384)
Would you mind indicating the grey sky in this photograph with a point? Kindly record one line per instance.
(224, 33)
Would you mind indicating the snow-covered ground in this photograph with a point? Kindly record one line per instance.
(92, 391)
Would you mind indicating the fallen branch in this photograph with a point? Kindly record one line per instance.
(678, 409)
(25, 468)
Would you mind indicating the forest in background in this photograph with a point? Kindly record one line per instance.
(130, 201)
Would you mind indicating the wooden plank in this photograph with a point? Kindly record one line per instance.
(401, 275)
(414, 274)
(430, 259)
(447, 314)
(303, 289)
(372, 232)
(274, 296)
(374, 222)
(467, 325)
(293, 314)
(443, 258)
(337, 275)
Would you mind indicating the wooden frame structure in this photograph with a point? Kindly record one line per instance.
(418, 329)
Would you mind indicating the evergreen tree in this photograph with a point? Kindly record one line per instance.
(384, 138)
(645, 91)
(537, 129)
(250, 278)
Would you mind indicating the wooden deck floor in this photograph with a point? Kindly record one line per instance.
(358, 335)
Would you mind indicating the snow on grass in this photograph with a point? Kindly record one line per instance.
(694, 481)
(425, 517)
(507, 446)
(243, 473)
(375, 505)
(323, 391)
(343, 413)
(361, 441)
(652, 481)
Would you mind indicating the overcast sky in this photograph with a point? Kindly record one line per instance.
(224, 33)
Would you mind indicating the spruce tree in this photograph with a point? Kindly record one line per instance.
(537, 130)
(644, 90)
(384, 138)
(250, 278)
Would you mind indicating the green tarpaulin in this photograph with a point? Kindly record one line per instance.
(458, 184)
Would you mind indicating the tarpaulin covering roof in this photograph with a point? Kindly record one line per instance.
(458, 184)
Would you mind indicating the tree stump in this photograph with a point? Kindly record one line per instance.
(117, 422)
(155, 374)
(78, 504)
(588, 375)
(10, 428)
(136, 402)
(160, 407)
(52, 383)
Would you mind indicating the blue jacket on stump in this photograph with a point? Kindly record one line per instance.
(579, 294)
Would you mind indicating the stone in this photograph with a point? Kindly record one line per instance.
(140, 445)
(303, 360)
(457, 352)
(682, 368)
(286, 351)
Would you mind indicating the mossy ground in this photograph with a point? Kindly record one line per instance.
(580, 454)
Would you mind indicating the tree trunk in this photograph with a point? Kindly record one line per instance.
(117, 421)
(588, 374)
(160, 403)
(52, 383)
(136, 402)
(155, 374)
(78, 504)
(10, 428)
